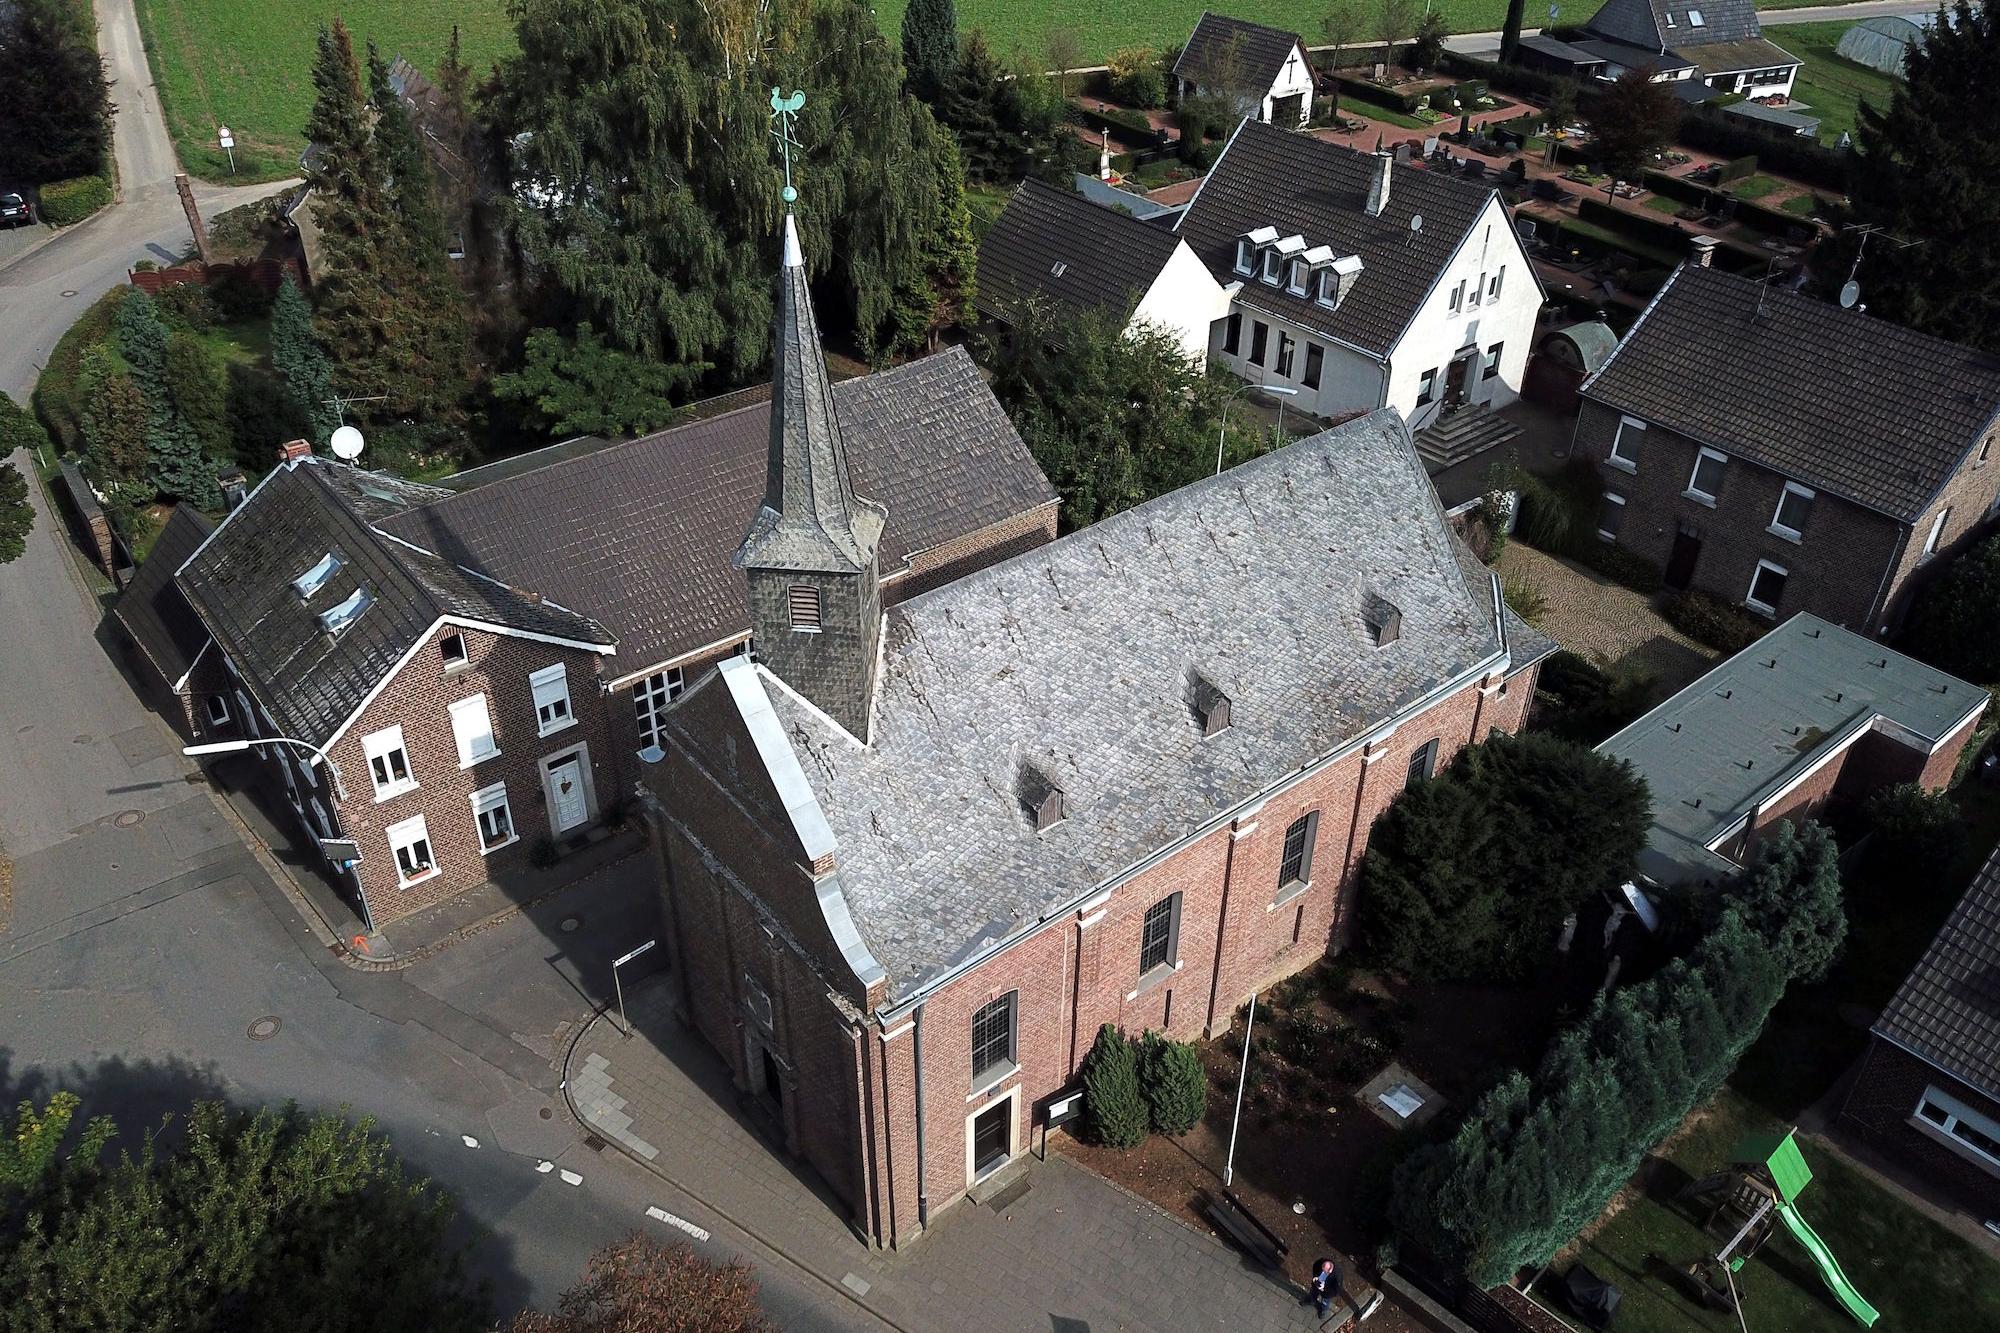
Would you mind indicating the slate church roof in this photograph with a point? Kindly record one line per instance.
(1057, 246)
(638, 534)
(1085, 661)
(1257, 52)
(1874, 412)
(1304, 186)
(311, 681)
(1948, 1009)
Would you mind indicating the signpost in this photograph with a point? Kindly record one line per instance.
(228, 142)
(619, 985)
(1061, 1111)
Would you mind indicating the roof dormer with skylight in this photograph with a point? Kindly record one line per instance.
(310, 582)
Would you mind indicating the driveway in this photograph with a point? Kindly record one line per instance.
(43, 290)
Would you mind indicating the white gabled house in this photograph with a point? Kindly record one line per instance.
(1360, 280)
(1263, 73)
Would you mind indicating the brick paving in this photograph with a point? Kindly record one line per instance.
(1610, 624)
(1074, 1254)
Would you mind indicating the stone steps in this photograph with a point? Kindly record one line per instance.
(1470, 430)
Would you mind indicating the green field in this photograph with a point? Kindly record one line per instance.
(247, 63)
(1834, 88)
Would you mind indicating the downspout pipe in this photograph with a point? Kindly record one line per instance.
(917, 1058)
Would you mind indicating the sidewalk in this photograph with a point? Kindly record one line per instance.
(1071, 1252)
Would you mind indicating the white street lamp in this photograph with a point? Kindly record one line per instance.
(1222, 431)
(619, 985)
(1242, 1073)
(238, 747)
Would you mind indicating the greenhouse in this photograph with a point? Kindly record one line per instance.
(1880, 43)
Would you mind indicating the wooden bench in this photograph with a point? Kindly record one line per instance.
(1241, 1225)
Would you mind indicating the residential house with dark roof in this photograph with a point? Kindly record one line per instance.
(1362, 281)
(1928, 1090)
(1809, 715)
(1705, 48)
(1078, 257)
(1259, 72)
(169, 637)
(1781, 453)
(913, 855)
(470, 671)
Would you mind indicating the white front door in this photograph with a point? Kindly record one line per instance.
(568, 807)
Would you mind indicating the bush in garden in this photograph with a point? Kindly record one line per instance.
(1706, 620)
(1951, 622)
(1114, 1108)
(1176, 1086)
(1136, 79)
(1917, 833)
(64, 203)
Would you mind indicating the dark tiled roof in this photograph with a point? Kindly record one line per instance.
(639, 535)
(1948, 1010)
(309, 681)
(1304, 186)
(1644, 23)
(1844, 402)
(1079, 659)
(1258, 52)
(1734, 57)
(152, 609)
(1645, 57)
(1056, 246)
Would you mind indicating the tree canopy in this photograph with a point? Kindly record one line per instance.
(58, 119)
(1470, 875)
(18, 430)
(1631, 120)
(930, 46)
(177, 463)
(1927, 170)
(646, 182)
(578, 386)
(230, 1220)
(1114, 418)
(1007, 120)
(1952, 619)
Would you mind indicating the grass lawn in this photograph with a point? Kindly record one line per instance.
(1834, 88)
(985, 202)
(247, 64)
(1919, 1275)
(1754, 187)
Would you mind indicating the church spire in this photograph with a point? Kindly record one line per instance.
(810, 553)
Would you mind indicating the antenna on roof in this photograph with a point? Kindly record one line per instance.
(1850, 292)
(340, 404)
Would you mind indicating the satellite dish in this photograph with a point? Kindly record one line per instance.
(1849, 294)
(1416, 223)
(347, 443)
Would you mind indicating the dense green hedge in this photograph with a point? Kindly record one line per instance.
(1659, 231)
(1516, 79)
(1787, 154)
(1363, 90)
(64, 203)
(1708, 620)
(1952, 620)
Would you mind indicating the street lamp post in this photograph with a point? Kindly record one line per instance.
(1222, 431)
(238, 747)
(619, 985)
(1242, 1073)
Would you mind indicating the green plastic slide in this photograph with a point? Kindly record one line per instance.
(1829, 1267)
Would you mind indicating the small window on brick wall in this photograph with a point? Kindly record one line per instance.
(805, 608)
(451, 648)
(993, 1039)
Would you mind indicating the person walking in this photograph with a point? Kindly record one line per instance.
(1325, 1285)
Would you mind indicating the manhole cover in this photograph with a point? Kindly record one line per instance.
(127, 818)
(265, 1028)
(546, 1114)
(570, 923)
(69, 291)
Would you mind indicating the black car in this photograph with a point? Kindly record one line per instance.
(15, 211)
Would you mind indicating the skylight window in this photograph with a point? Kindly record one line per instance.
(1695, 20)
(310, 582)
(339, 616)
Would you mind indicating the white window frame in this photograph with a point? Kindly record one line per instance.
(1618, 458)
(1693, 491)
(1458, 297)
(1619, 500)
(467, 756)
(1937, 532)
(1328, 293)
(1308, 376)
(1287, 355)
(1493, 288)
(406, 835)
(1477, 294)
(1300, 279)
(488, 799)
(1490, 370)
(380, 745)
(1246, 256)
(1750, 597)
(218, 701)
(1273, 272)
(650, 697)
(549, 685)
(1695, 20)
(464, 657)
(1427, 385)
(1779, 528)
(1956, 1113)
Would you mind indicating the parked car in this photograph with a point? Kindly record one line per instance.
(15, 211)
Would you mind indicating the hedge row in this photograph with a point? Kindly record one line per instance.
(1515, 79)
(64, 203)
(1787, 154)
(1365, 91)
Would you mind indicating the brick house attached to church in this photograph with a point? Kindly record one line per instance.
(914, 855)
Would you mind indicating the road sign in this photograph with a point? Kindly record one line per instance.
(227, 139)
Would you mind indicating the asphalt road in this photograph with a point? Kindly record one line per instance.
(44, 289)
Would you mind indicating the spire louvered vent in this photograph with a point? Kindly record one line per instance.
(1041, 797)
(1211, 705)
(1383, 619)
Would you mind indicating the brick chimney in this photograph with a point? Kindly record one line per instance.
(1378, 183)
(1702, 249)
(292, 449)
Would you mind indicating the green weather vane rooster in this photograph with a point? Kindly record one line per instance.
(784, 119)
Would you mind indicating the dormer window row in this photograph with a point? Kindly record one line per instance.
(1315, 271)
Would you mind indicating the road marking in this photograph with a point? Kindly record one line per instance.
(571, 1178)
(662, 1215)
(545, 1167)
(469, 1141)
(855, 1283)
